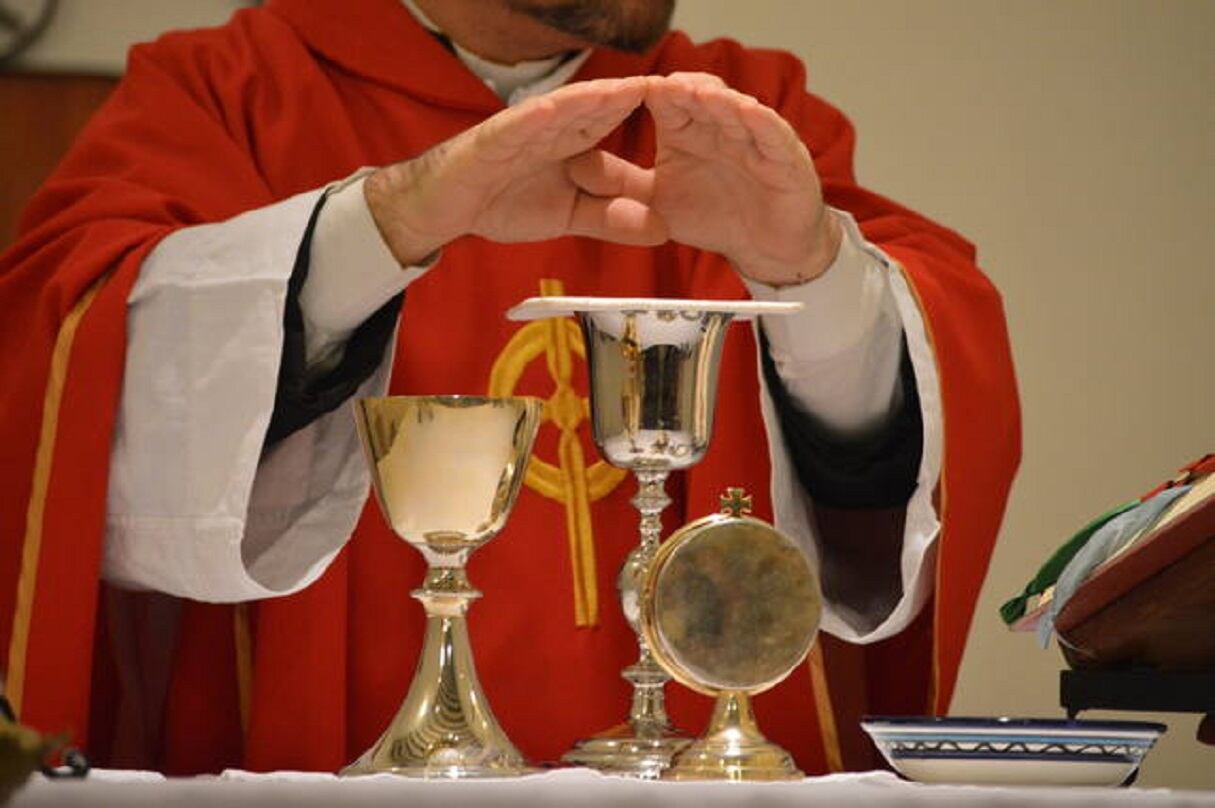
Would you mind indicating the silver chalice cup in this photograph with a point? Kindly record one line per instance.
(446, 471)
(653, 386)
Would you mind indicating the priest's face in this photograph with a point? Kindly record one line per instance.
(629, 25)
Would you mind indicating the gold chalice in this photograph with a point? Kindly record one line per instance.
(653, 388)
(446, 471)
(730, 608)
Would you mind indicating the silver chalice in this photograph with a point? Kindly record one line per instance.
(653, 386)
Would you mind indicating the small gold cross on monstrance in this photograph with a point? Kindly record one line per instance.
(736, 502)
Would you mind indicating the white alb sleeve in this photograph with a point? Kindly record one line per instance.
(351, 274)
(839, 359)
(196, 506)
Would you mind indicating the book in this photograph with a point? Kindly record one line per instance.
(1152, 603)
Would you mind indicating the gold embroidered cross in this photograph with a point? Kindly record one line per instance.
(572, 481)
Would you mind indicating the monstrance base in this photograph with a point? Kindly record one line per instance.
(708, 759)
(733, 748)
(623, 751)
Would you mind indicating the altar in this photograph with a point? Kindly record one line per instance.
(559, 787)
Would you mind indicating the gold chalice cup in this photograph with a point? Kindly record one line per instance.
(653, 389)
(446, 471)
(730, 607)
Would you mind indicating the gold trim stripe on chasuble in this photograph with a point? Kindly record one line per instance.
(571, 482)
(242, 638)
(32, 545)
(934, 683)
(825, 708)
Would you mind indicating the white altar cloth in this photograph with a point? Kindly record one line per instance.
(560, 787)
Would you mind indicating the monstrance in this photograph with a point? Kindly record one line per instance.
(446, 471)
(653, 386)
(731, 606)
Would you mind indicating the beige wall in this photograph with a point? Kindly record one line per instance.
(1074, 142)
(92, 36)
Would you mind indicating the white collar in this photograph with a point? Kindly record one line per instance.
(517, 82)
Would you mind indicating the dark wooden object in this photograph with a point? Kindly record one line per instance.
(40, 116)
(1140, 633)
(1137, 690)
(1154, 607)
(1142, 690)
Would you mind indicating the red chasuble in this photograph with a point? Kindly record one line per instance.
(284, 99)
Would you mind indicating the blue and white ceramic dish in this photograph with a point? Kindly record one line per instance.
(1013, 751)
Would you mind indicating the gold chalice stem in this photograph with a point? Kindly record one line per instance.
(445, 727)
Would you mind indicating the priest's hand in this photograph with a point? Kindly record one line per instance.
(732, 176)
(522, 175)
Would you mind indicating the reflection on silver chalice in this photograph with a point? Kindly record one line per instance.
(446, 471)
(653, 383)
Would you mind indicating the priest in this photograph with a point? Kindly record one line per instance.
(322, 200)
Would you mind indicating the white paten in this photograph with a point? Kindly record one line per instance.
(539, 308)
